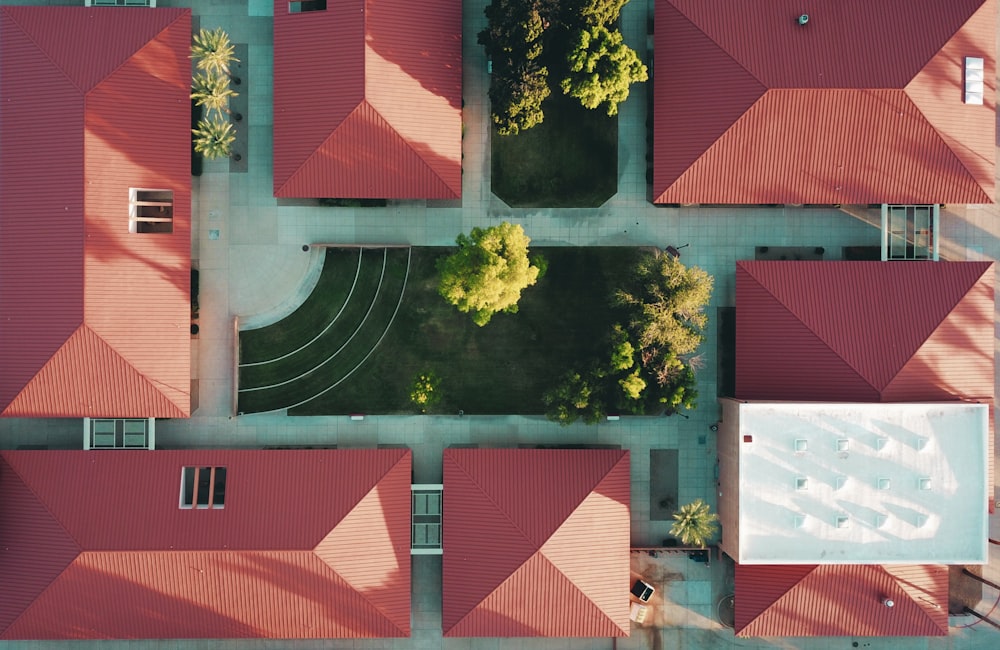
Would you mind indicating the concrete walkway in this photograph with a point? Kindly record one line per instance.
(249, 252)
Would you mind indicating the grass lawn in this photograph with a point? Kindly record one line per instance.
(320, 346)
(569, 160)
(327, 299)
(502, 368)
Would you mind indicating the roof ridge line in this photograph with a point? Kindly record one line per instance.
(946, 141)
(337, 573)
(498, 508)
(44, 53)
(130, 56)
(947, 40)
(723, 49)
(407, 142)
(896, 580)
(312, 154)
(580, 591)
(545, 559)
(152, 384)
(59, 523)
(43, 503)
(935, 329)
(572, 512)
(784, 594)
(813, 332)
(715, 143)
(512, 523)
(363, 497)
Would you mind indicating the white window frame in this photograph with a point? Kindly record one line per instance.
(119, 433)
(426, 514)
(120, 3)
(134, 203)
(909, 232)
(195, 504)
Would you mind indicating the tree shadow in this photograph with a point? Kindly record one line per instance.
(423, 39)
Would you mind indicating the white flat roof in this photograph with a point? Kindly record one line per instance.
(863, 483)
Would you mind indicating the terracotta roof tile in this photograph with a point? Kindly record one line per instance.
(106, 551)
(817, 123)
(864, 331)
(526, 528)
(841, 600)
(85, 118)
(367, 100)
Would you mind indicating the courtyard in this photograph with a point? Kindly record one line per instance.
(248, 247)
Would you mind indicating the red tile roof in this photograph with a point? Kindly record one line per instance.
(864, 331)
(832, 600)
(93, 102)
(536, 543)
(310, 544)
(753, 108)
(368, 100)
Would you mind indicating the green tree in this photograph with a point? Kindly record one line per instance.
(622, 351)
(695, 524)
(513, 40)
(214, 137)
(213, 92)
(632, 385)
(576, 396)
(595, 12)
(601, 69)
(488, 272)
(516, 97)
(424, 391)
(212, 51)
(666, 301)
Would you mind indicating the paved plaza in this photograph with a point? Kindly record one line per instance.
(249, 250)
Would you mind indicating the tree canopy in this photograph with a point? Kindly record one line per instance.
(517, 98)
(666, 302)
(488, 271)
(212, 51)
(526, 40)
(647, 368)
(695, 524)
(601, 69)
(214, 137)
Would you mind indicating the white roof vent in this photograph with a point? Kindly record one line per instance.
(803, 19)
(801, 444)
(974, 80)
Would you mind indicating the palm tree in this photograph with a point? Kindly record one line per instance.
(695, 524)
(213, 51)
(214, 137)
(212, 91)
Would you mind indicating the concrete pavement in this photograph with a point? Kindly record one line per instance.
(249, 251)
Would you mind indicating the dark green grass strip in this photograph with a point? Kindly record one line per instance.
(322, 305)
(569, 160)
(330, 340)
(327, 370)
(502, 368)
